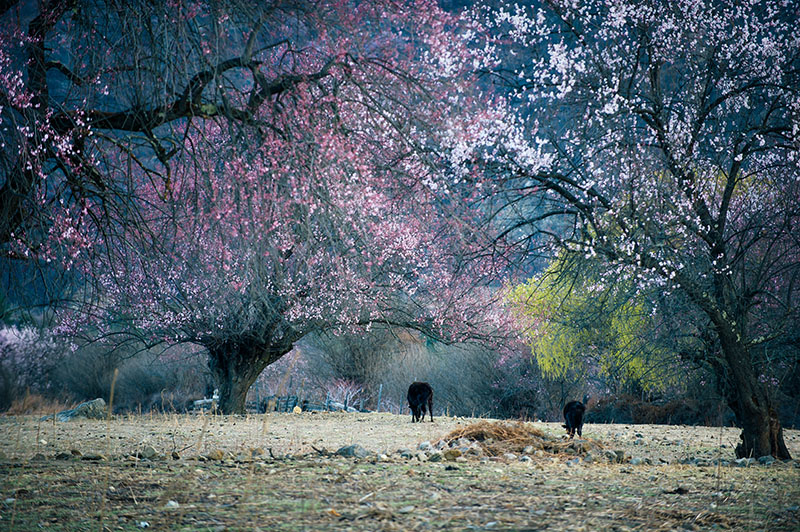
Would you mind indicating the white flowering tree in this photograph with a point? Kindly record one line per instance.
(666, 137)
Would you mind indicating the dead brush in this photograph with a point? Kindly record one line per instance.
(499, 438)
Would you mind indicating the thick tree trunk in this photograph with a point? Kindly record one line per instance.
(762, 433)
(235, 367)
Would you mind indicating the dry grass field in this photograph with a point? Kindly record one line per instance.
(279, 472)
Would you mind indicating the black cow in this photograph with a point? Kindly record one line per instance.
(420, 393)
(573, 415)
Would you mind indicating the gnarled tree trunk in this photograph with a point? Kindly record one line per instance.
(762, 433)
(236, 366)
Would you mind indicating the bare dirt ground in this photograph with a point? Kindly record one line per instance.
(274, 472)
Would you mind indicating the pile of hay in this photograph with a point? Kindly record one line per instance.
(499, 438)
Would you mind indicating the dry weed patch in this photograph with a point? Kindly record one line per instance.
(498, 438)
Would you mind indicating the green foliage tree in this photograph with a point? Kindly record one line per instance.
(576, 324)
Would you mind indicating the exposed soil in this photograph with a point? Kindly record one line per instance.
(274, 472)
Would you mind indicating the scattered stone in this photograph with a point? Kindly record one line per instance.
(451, 468)
(215, 455)
(383, 458)
(745, 462)
(95, 409)
(38, 457)
(636, 461)
(148, 452)
(405, 453)
(589, 458)
(143, 524)
(172, 504)
(638, 435)
(528, 450)
(441, 444)
(297, 410)
(406, 509)
(93, 457)
(175, 455)
(75, 452)
(435, 456)
(425, 446)
(461, 459)
(620, 456)
(422, 457)
(510, 457)
(573, 462)
(353, 451)
(63, 456)
(610, 455)
(766, 460)
(474, 450)
(525, 458)
(452, 454)
(638, 441)
(538, 453)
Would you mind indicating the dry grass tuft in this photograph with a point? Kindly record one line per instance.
(34, 404)
(499, 438)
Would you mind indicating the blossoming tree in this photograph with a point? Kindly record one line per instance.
(665, 137)
(239, 175)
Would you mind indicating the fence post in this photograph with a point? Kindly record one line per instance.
(380, 392)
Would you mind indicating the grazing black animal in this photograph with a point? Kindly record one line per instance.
(420, 393)
(573, 415)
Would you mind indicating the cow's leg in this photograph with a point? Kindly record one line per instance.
(430, 407)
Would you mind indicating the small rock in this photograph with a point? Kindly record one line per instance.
(424, 446)
(510, 457)
(573, 462)
(745, 462)
(63, 456)
(435, 456)
(452, 454)
(148, 452)
(451, 468)
(638, 441)
(215, 455)
(589, 458)
(461, 459)
(636, 461)
(528, 450)
(175, 455)
(93, 457)
(638, 435)
(538, 453)
(525, 458)
(441, 444)
(620, 456)
(405, 453)
(172, 504)
(10, 501)
(354, 451)
(38, 457)
(422, 457)
(610, 455)
(75, 452)
(406, 509)
(143, 524)
(297, 410)
(766, 460)
(474, 450)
